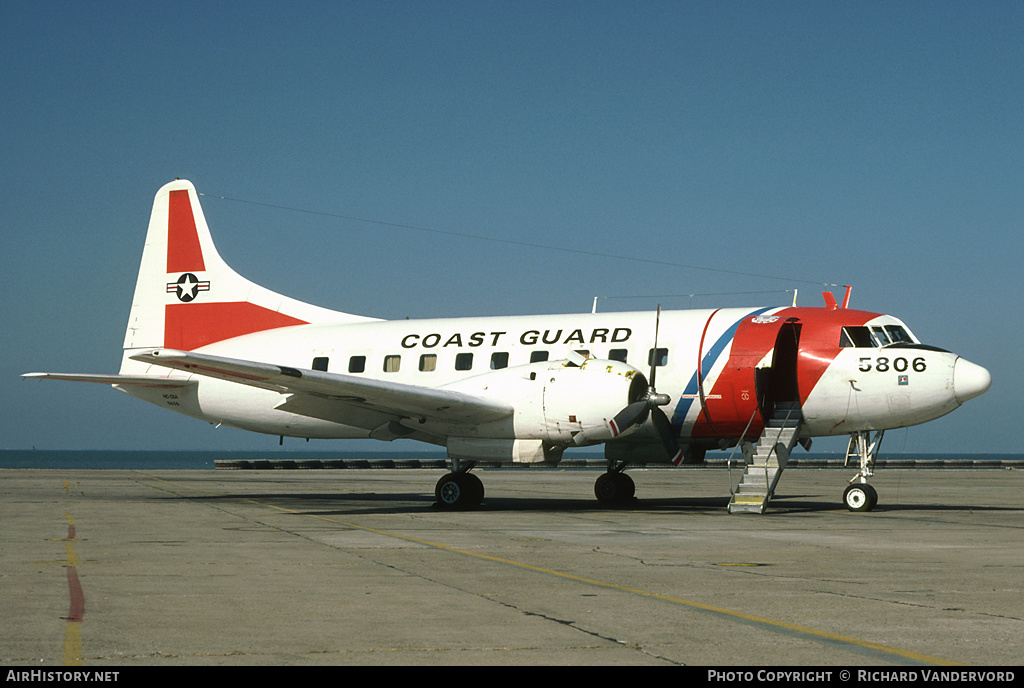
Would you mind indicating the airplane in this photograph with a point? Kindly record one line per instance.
(652, 387)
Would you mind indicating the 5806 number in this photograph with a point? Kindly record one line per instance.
(883, 364)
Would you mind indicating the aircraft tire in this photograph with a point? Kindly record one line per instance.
(860, 497)
(614, 488)
(459, 491)
(475, 486)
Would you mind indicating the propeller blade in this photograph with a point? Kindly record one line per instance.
(634, 414)
(666, 435)
(654, 352)
(624, 422)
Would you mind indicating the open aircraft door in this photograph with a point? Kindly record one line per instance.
(759, 374)
(777, 383)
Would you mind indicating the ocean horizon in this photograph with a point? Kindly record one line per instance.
(100, 459)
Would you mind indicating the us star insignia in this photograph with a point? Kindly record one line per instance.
(188, 287)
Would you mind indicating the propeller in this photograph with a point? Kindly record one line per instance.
(635, 414)
(661, 422)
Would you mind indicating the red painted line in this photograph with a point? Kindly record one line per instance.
(77, 611)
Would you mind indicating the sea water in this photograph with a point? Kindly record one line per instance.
(206, 460)
(177, 460)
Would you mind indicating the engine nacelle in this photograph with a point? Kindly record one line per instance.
(555, 400)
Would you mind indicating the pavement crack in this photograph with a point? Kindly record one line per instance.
(908, 603)
(626, 645)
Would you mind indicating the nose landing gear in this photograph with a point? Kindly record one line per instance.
(860, 496)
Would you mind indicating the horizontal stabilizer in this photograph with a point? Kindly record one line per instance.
(119, 380)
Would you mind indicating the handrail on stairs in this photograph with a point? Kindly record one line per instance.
(773, 450)
(738, 445)
(778, 436)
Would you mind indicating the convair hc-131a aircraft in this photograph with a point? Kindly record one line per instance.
(650, 386)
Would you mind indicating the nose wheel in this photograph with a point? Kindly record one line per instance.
(860, 497)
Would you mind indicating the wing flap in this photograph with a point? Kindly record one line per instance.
(390, 398)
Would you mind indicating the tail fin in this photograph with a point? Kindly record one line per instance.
(187, 297)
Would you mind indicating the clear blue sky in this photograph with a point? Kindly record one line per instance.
(873, 144)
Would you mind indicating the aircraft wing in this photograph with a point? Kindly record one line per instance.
(314, 388)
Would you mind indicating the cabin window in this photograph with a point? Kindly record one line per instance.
(428, 363)
(880, 336)
(392, 364)
(617, 355)
(499, 359)
(463, 361)
(659, 358)
(357, 364)
(320, 363)
(538, 356)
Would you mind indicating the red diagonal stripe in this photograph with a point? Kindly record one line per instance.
(189, 326)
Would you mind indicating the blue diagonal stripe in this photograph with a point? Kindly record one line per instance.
(707, 363)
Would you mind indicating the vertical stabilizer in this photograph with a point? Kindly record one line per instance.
(187, 297)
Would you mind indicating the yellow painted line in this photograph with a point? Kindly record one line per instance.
(72, 556)
(803, 630)
(72, 644)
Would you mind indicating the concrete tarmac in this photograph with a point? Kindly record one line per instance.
(357, 567)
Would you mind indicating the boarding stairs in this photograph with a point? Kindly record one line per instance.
(766, 460)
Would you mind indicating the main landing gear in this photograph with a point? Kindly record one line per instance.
(860, 496)
(459, 489)
(614, 487)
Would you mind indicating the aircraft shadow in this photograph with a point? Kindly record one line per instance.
(350, 504)
(338, 504)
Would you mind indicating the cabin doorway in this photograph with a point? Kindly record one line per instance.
(777, 384)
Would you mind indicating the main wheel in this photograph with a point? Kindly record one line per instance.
(474, 488)
(459, 491)
(860, 497)
(614, 488)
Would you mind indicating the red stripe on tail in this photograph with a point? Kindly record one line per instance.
(184, 254)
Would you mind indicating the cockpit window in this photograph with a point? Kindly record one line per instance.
(898, 335)
(876, 336)
(856, 336)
